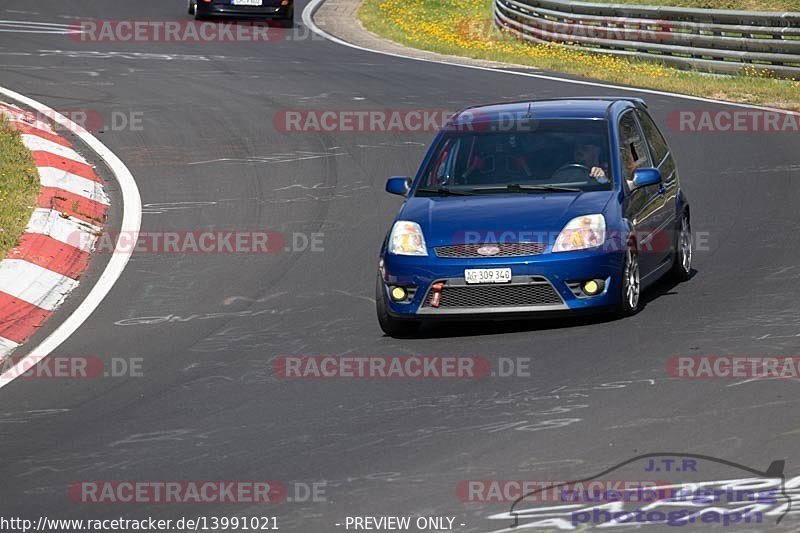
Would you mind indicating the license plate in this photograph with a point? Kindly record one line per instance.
(247, 2)
(487, 275)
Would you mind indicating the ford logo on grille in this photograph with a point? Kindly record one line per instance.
(488, 250)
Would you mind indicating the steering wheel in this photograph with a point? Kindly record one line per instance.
(571, 170)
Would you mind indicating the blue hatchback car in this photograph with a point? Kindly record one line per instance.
(534, 208)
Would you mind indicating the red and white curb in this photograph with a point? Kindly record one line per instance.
(39, 273)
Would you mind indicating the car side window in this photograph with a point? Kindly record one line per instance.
(633, 150)
(658, 146)
(440, 172)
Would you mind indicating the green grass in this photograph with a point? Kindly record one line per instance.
(464, 28)
(19, 187)
(748, 5)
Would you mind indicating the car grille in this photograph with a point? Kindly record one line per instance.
(507, 249)
(512, 295)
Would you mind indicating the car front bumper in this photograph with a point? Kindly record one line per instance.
(541, 285)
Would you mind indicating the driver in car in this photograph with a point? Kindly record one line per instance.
(588, 155)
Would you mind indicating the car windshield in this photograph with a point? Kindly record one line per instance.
(549, 156)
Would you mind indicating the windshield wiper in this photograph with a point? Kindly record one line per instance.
(444, 191)
(516, 187)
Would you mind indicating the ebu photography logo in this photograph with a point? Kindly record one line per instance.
(693, 492)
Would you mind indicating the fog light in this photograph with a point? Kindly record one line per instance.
(398, 294)
(593, 287)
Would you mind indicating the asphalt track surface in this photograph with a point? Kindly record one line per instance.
(209, 407)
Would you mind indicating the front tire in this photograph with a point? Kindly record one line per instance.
(288, 21)
(630, 286)
(192, 7)
(391, 326)
(682, 265)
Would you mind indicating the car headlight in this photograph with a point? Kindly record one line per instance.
(580, 233)
(407, 239)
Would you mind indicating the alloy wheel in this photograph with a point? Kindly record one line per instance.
(686, 246)
(631, 279)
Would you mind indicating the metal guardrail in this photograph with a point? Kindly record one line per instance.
(720, 41)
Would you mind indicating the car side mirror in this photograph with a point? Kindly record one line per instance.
(398, 185)
(643, 177)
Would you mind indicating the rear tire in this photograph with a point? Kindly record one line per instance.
(682, 265)
(392, 326)
(630, 284)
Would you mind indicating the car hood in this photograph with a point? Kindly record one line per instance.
(519, 217)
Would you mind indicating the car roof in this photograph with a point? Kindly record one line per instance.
(595, 107)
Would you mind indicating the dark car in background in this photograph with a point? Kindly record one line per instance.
(278, 10)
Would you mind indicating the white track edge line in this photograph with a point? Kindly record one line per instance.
(131, 222)
(308, 20)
